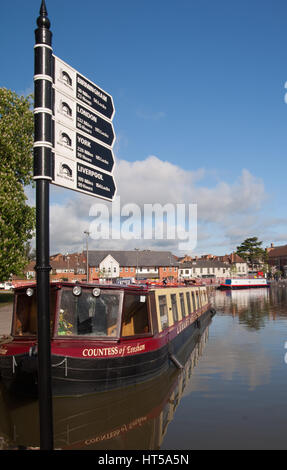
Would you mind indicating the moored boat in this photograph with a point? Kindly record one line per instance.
(244, 283)
(102, 336)
(133, 417)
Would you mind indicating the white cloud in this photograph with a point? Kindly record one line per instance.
(227, 212)
(66, 229)
(153, 180)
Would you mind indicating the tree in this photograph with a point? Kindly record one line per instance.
(252, 252)
(17, 219)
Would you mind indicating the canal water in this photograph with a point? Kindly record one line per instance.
(231, 393)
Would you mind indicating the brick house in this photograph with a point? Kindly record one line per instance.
(71, 267)
(277, 258)
(137, 264)
(238, 265)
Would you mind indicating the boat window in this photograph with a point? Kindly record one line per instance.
(188, 303)
(135, 315)
(163, 311)
(89, 315)
(25, 322)
(182, 304)
(174, 307)
(193, 301)
(197, 299)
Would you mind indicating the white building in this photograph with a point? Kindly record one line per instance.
(109, 267)
(239, 267)
(204, 269)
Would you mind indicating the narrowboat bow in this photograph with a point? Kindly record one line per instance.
(102, 336)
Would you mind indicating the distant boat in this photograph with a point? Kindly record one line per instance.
(244, 283)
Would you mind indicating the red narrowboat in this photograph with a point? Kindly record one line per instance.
(102, 336)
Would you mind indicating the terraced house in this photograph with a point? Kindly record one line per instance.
(137, 264)
(277, 258)
(202, 268)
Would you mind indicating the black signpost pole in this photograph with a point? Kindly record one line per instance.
(43, 177)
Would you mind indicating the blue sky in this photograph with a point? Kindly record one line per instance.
(198, 88)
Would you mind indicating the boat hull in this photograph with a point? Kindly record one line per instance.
(251, 286)
(244, 284)
(84, 375)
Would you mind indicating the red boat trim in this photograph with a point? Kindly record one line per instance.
(16, 348)
(230, 286)
(94, 348)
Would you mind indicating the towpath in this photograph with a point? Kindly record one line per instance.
(5, 318)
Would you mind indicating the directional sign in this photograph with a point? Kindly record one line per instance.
(76, 116)
(83, 134)
(79, 177)
(77, 86)
(75, 145)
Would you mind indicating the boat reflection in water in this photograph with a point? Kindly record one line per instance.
(253, 307)
(134, 417)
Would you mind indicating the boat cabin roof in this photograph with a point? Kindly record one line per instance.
(146, 287)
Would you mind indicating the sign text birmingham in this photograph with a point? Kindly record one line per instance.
(90, 94)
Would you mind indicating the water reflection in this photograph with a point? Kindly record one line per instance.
(237, 396)
(133, 418)
(253, 306)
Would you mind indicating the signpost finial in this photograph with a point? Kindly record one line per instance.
(43, 20)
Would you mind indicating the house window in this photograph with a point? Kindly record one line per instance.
(126, 270)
